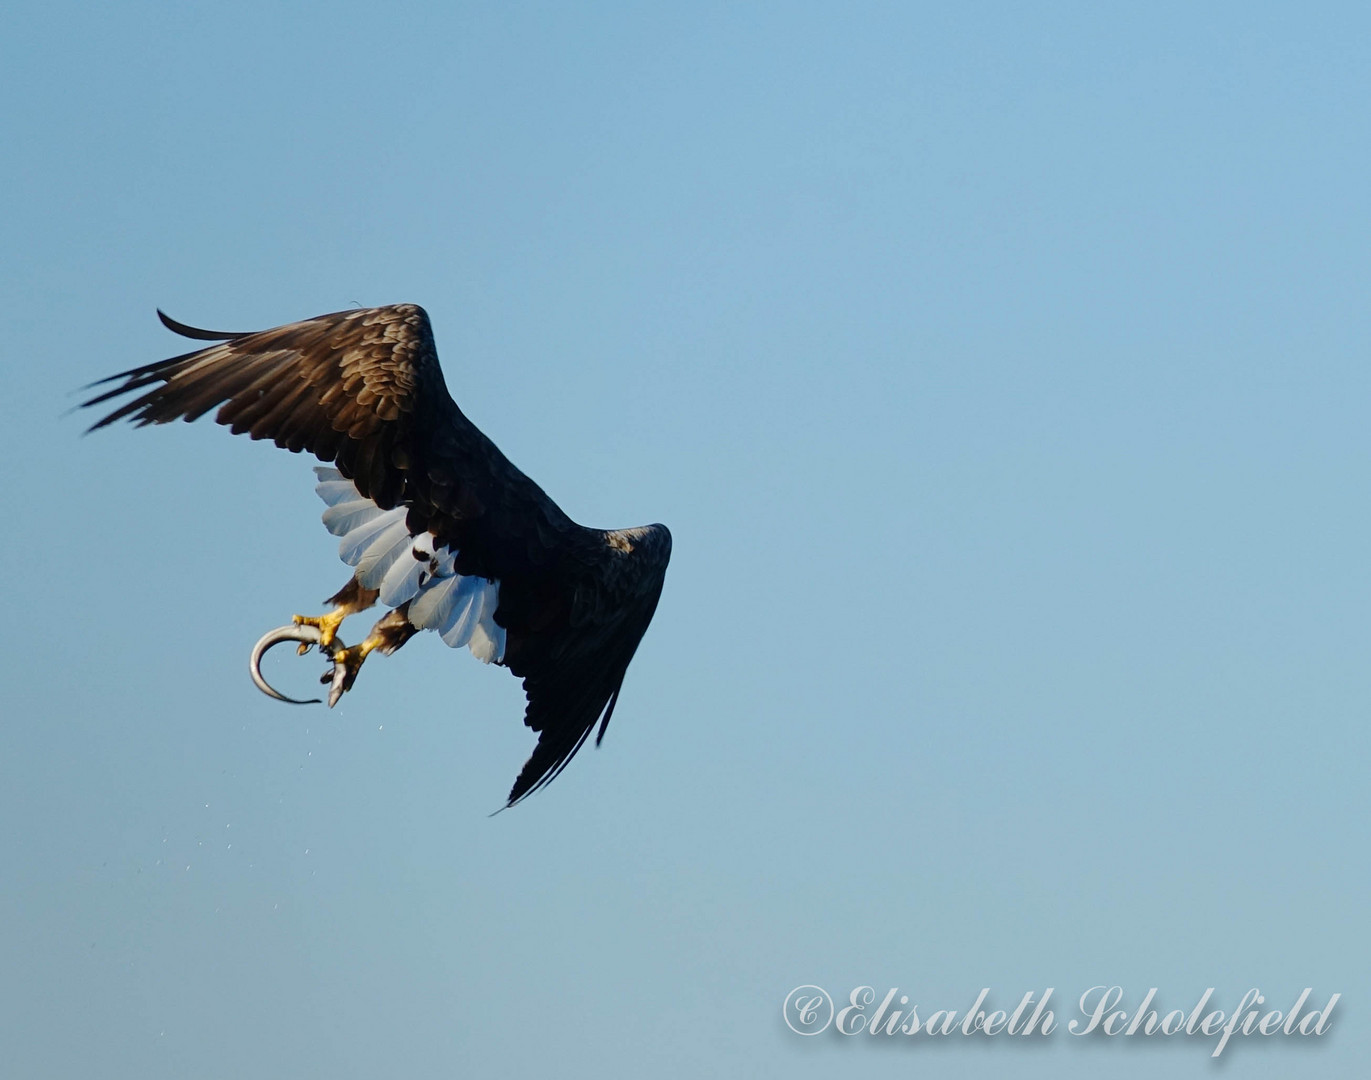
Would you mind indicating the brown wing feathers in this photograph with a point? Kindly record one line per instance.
(363, 389)
(340, 385)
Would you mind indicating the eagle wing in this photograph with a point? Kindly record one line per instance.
(573, 678)
(363, 389)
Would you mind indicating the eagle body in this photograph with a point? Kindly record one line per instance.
(434, 519)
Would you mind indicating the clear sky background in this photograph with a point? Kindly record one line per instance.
(1002, 373)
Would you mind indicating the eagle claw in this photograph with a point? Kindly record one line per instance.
(347, 662)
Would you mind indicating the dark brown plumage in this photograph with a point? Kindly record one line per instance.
(363, 389)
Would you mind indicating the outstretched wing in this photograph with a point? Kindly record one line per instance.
(572, 678)
(363, 389)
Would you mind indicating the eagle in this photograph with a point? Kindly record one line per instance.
(437, 524)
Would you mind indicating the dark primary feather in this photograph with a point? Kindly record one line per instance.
(194, 332)
(363, 389)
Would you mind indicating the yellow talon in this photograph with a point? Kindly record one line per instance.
(328, 625)
(353, 655)
(346, 664)
(348, 600)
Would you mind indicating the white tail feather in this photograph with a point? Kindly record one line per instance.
(403, 579)
(336, 491)
(355, 544)
(464, 614)
(488, 642)
(433, 603)
(341, 518)
(409, 567)
(390, 543)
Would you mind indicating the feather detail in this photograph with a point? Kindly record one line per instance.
(462, 610)
(433, 604)
(403, 580)
(464, 613)
(345, 517)
(486, 646)
(356, 542)
(383, 551)
(338, 491)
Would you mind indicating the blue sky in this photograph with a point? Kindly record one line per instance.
(1002, 374)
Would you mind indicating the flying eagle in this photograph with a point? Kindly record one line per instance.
(437, 523)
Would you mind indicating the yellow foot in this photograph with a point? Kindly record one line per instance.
(346, 664)
(328, 627)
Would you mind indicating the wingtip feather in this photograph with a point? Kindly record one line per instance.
(194, 332)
